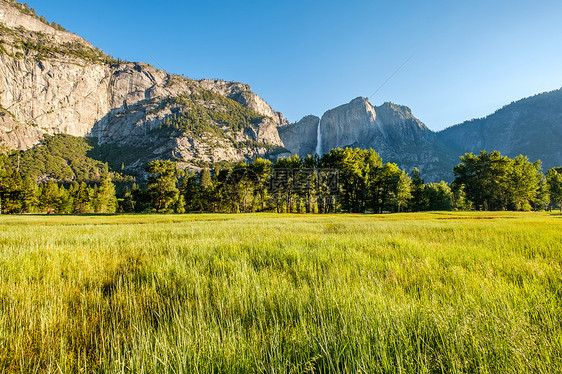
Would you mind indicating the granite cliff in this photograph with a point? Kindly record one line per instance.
(389, 129)
(52, 81)
(531, 127)
(55, 82)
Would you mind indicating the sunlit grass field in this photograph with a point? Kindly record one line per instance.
(416, 293)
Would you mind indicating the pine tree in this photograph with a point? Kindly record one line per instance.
(29, 195)
(205, 178)
(82, 198)
(49, 197)
(3, 159)
(105, 200)
(127, 204)
(542, 199)
(495, 182)
(10, 191)
(419, 200)
(261, 169)
(554, 181)
(439, 196)
(180, 205)
(403, 190)
(162, 184)
(65, 202)
(191, 190)
(460, 202)
(384, 188)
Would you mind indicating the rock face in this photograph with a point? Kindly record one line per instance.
(53, 96)
(348, 125)
(13, 15)
(52, 82)
(300, 138)
(389, 129)
(243, 94)
(531, 127)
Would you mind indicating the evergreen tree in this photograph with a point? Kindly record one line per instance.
(180, 205)
(10, 191)
(439, 196)
(260, 170)
(554, 182)
(542, 199)
(419, 199)
(127, 204)
(3, 159)
(105, 200)
(206, 192)
(192, 191)
(49, 197)
(29, 195)
(205, 178)
(82, 198)
(358, 170)
(287, 169)
(460, 202)
(495, 182)
(162, 181)
(65, 203)
(524, 183)
(403, 190)
(142, 199)
(384, 188)
(216, 196)
(239, 189)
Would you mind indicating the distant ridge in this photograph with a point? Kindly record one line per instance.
(55, 82)
(531, 126)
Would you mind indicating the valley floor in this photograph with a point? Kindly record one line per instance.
(424, 292)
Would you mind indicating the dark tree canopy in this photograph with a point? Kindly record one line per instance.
(342, 180)
(495, 182)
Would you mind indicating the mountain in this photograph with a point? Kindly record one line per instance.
(389, 129)
(531, 127)
(55, 82)
(52, 81)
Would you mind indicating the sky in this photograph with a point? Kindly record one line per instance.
(452, 60)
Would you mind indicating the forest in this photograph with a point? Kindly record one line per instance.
(343, 180)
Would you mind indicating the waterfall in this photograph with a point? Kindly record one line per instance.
(319, 139)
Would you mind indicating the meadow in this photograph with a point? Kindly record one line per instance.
(441, 292)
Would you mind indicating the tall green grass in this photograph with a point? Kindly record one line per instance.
(417, 293)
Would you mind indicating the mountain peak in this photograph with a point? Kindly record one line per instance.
(398, 115)
(136, 112)
(359, 100)
(401, 110)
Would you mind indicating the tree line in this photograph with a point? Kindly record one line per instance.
(343, 180)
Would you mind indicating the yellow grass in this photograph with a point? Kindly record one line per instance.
(432, 292)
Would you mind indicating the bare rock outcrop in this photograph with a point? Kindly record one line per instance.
(243, 94)
(389, 129)
(300, 138)
(52, 81)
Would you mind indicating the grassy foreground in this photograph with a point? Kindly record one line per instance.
(436, 292)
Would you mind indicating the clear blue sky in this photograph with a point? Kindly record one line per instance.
(304, 57)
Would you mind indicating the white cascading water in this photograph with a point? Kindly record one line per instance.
(319, 139)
